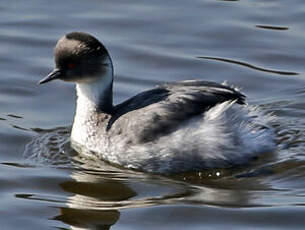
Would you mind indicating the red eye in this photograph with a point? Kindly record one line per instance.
(71, 65)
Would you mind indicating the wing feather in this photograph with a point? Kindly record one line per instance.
(159, 111)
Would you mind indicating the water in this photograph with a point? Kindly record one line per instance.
(256, 45)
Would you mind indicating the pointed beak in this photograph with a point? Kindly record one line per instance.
(55, 74)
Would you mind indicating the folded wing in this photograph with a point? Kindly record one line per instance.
(151, 114)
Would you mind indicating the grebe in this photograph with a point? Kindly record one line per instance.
(173, 128)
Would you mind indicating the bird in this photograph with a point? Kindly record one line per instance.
(176, 127)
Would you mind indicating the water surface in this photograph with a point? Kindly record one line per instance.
(255, 45)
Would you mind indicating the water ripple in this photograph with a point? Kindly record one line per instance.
(249, 65)
(272, 27)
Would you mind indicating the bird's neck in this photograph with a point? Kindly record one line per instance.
(95, 95)
(93, 106)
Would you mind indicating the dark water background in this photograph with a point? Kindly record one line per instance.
(256, 45)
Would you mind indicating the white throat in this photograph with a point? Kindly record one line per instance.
(96, 93)
(92, 96)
